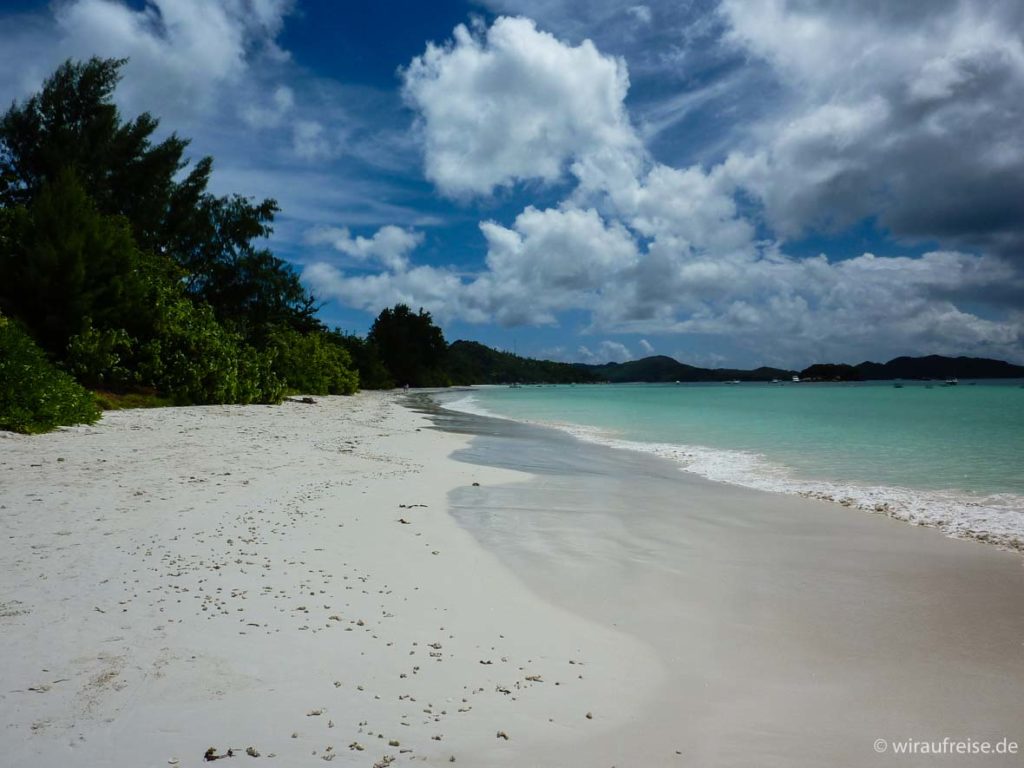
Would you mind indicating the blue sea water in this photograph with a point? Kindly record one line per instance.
(952, 457)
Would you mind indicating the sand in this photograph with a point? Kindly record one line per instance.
(231, 577)
(326, 583)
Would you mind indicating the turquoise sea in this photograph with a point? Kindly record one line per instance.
(948, 456)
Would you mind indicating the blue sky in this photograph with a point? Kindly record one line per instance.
(729, 183)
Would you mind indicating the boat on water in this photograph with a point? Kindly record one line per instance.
(796, 379)
(733, 381)
(952, 381)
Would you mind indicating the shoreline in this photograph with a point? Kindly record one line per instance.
(789, 629)
(994, 518)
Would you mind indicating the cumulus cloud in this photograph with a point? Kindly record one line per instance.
(788, 309)
(440, 291)
(547, 261)
(512, 103)
(389, 245)
(905, 111)
(182, 51)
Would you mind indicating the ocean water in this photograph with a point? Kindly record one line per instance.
(949, 457)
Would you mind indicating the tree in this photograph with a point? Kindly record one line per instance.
(73, 125)
(61, 261)
(411, 347)
(366, 356)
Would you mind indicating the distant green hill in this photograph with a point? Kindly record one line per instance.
(938, 367)
(665, 369)
(930, 367)
(831, 372)
(470, 362)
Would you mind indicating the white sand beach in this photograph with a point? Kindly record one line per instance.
(292, 579)
(231, 577)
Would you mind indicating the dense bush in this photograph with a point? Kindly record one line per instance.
(102, 359)
(185, 355)
(34, 395)
(313, 363)
(193, 359)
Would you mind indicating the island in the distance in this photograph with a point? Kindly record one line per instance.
(470, 362)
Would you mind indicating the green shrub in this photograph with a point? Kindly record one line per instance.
(312, 363)
(34, 395)
(102, 359)
(257, 382)
(194, 360)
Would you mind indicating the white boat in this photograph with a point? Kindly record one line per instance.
(796, 379)
(952, 381)
(733, 381)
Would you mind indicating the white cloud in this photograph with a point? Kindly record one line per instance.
(546, 262)
(182, 52)
(568, 249)
(513, 103)
(790, 309)
(910, 112)
(607, 352)
(271, 113)
(646, 346)
(549, 260)
(439, 291)
(389, 245)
